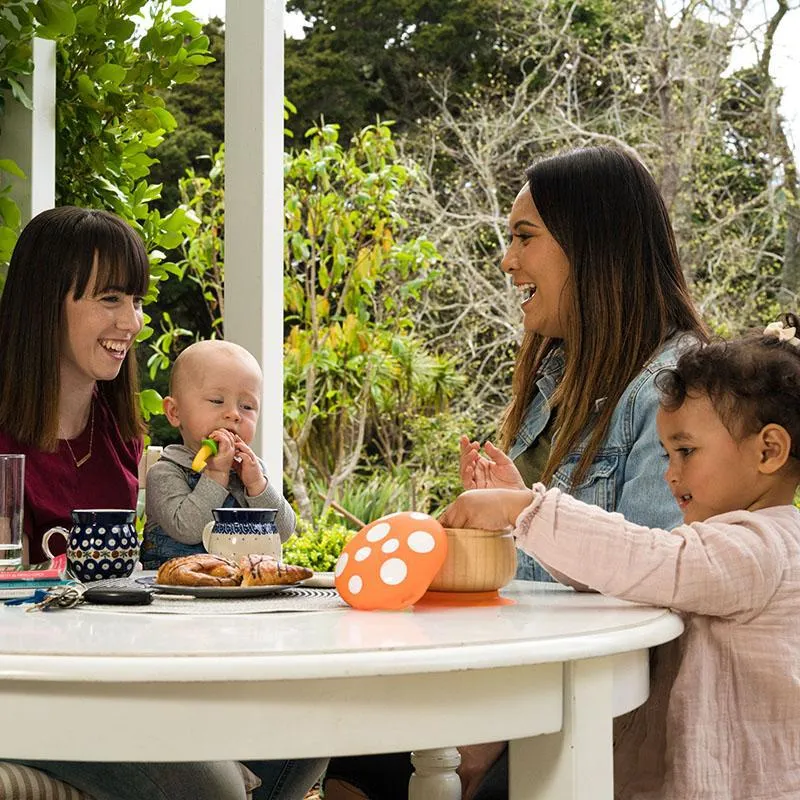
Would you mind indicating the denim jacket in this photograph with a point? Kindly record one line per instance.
(627, 474)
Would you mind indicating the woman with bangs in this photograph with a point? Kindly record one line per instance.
(605, 308)
(69, 317)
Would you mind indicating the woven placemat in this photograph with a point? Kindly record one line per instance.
(292, 599)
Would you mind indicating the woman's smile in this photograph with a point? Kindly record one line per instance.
(115, 348)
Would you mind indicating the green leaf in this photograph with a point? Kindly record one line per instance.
(8, 239)
(19, 93)
(151, 401)
(85, 85)
(165, 119)
(56, 18)
(111, 73)
(10, 213)
(9, 166)
(120, 29)
(86, 17)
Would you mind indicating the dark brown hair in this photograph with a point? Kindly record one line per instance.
(54, 256)
(751, 382)
(628, 293)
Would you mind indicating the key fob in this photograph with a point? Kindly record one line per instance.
(117, 597)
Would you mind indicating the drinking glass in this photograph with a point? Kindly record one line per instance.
(12, 494)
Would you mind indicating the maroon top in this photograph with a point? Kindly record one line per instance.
(54, 485)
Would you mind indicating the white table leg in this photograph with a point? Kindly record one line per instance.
(435, 775)
(576, 763)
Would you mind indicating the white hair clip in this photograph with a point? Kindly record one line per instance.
(782, 333)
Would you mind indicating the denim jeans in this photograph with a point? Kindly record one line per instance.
(286, 780)
(209, 780)
(157, 548)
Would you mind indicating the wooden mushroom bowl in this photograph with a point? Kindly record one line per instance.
(477, 561)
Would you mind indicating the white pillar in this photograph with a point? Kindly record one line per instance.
(29, 137)
(254, 204)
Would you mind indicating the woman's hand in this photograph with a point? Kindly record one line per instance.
(495, 470)
(248, 469)
(489, 509)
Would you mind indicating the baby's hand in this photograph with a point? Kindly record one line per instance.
(489, 509)
(219, 466)
(249, 470)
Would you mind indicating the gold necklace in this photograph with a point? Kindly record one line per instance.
(91, 439)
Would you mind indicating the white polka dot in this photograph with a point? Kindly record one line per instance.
(355, 584)
(418, 515)
(390, 545)
(363, 553)
(394, 571)
(378, 532)
(340, 564)
(421, 542)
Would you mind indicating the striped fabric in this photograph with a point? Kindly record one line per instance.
(18, 782)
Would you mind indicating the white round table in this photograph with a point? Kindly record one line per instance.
(547, 672)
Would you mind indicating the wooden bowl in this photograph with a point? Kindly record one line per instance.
(477, 561)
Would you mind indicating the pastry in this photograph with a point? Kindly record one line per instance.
(268, 571)
(202, 569)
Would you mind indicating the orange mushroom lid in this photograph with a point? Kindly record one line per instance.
(390, 563)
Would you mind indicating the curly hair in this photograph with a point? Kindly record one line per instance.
(751, 382)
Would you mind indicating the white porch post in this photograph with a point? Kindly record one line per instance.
(29, 137)
(254, 204)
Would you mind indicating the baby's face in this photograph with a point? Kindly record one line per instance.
(709, 472)
(223, 392)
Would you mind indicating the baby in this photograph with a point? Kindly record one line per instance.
(215, 393)
(723, 719)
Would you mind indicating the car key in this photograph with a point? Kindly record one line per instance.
(117, 597)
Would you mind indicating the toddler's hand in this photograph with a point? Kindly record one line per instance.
(495, 470)
(248, 468)
(218, 467)
(490, 509)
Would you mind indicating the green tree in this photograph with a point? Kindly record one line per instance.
(199, 110)
(362, 59)
(355, 372)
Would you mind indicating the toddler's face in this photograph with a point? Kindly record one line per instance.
(224, 392)
(709, 472)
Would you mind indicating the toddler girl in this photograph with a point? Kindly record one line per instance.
(723, 719)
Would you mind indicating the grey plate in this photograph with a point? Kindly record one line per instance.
(215, 592)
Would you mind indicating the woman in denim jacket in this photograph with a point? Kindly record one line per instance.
(605, 307)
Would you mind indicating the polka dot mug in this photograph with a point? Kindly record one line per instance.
(102, 543)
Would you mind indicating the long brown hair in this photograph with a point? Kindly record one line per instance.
(628, 293)
(55, 255)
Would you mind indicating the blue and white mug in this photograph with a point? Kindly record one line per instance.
(237, 532)
(102, 543)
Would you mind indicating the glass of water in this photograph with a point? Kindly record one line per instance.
(12, 498)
